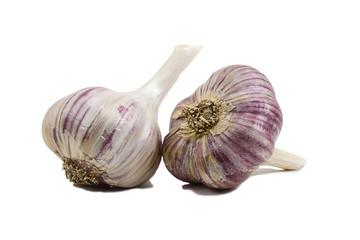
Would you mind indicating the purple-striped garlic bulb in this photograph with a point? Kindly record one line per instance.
(225, 130)
(107, 137)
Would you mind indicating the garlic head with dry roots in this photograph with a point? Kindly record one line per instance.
(224, 131)
(108, 137)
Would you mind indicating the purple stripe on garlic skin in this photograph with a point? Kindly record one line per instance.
(113, 138)
(246, 121)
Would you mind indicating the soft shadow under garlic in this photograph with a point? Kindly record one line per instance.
(107, 188)
(201, 189)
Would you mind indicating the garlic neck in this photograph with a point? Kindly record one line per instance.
(160, 84)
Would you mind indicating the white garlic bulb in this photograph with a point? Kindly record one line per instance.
(107, 137)
(226, 130)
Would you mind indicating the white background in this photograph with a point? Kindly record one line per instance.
(310, 52)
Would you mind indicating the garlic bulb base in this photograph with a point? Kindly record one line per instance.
(79, 174)
(202, 117)
(285, 160)
(208, 116)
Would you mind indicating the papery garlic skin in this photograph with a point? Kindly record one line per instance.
(109, 137)
(105, 128)
(247, 122)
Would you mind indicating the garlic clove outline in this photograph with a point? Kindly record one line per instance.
(109, 137)
(224, 131)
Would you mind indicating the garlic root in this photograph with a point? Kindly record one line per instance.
(285, 160)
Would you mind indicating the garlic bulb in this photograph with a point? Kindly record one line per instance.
(108, 137)
(225, 130)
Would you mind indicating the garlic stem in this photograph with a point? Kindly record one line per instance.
(166, 76)
(285, 160)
